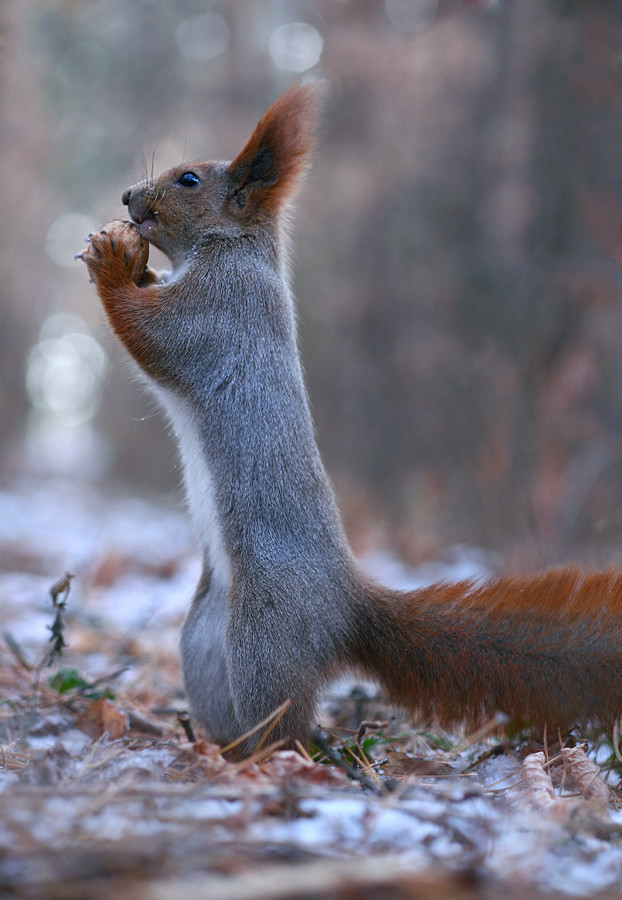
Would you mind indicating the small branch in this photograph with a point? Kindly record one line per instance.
(61, 589)
(57, 639)
(184, 720)
(368, 725)
(274, 717)
(17, 652)
(616, 739)
(320, 740)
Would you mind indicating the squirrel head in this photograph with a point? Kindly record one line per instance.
(200, 199)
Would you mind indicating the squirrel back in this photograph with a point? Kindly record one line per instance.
(282, 606)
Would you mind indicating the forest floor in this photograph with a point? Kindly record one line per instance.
(106, 792)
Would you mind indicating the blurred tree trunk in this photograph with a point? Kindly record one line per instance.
(21, 156)
(471, 365)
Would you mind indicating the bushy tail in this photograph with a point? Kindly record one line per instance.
(543, 649)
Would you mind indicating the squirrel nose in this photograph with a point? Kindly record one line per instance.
(125, 199)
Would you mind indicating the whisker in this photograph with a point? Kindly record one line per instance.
(153, 164)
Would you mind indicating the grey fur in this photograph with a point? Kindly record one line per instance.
(260, 628)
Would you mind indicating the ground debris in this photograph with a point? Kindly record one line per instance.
(108, 789)
(101, 717)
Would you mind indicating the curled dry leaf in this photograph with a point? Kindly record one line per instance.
(368, 725)
(586, 774)
(538, 780)
(101, 717)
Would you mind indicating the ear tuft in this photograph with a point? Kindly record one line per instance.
(266, 173)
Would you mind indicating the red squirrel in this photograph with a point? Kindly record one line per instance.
(282, 606)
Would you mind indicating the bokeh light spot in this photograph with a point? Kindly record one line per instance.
(65, 370)
(66, 236)
(296, 46)
(203, 37)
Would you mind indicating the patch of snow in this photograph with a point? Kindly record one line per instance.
(72, 741)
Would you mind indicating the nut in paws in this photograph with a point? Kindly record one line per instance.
(119, 249)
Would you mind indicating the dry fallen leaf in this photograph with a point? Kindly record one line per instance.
(204, 748)
(538, 781)
(400, 764)
(586, 774)
(286, 764)
(102, 717)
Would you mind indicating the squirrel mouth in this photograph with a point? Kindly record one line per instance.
(146, 223)
(144, 217)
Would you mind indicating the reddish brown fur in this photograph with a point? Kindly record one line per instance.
(543, 649)
(117, 260)
(287, 129)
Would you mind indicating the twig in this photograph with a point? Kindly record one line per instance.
(279, 711)
(277, 716)
(138, 722)
(10, 758)
(320, 740)
(368, 725)
(110, 676)
(17, 652)
(304, 752)
(545, 738)
(497, 721)
(60, 588)
(361, 760)
(257, 757)
(183, 718)
(616, 739)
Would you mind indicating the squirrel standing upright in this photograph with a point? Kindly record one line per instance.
(282, 606)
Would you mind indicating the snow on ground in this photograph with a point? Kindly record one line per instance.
(152, 814)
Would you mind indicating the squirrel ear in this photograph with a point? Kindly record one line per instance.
(265, 174)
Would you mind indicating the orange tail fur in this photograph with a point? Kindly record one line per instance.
(543, 649)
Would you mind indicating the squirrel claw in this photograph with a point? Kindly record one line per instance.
(79, 256)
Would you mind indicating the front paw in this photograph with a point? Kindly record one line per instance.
(117, 254)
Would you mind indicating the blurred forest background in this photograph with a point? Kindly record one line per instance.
(457, 249)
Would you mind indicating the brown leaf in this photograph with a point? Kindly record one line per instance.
(399, 763)
(101, 716)
(286, 764)
(538, 780)
(205, 748)
(586, 775)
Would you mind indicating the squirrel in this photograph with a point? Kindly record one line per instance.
(282, 606)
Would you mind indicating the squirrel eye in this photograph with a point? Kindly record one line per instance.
(188, 179)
